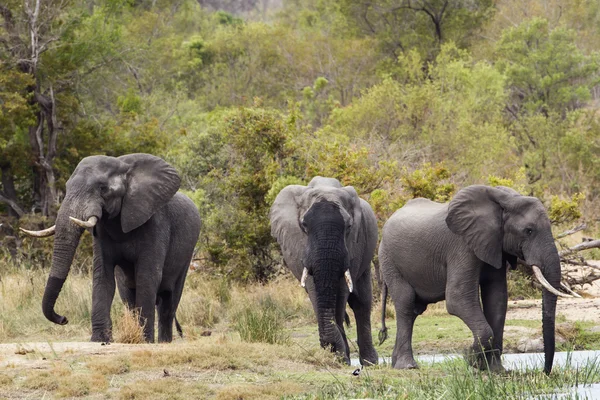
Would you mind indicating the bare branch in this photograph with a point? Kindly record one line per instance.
(594, 244)
(12, 205)
(578, 228)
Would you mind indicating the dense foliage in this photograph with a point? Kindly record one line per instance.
(397, 98)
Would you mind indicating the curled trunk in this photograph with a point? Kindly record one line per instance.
(65, 244)
(329, 332)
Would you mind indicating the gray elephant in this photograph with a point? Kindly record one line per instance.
(143, 231)
(432, 251)
(328, 236)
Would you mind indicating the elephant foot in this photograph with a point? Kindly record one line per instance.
(488, 360)
(101, 336)
(406, 363)
(369, 357)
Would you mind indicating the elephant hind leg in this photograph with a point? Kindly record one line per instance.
(167, 308)
(166, 315)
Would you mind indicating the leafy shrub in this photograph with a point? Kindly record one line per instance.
(562, 211)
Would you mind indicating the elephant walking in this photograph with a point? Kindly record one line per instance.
(144, 233)
(431, 252)
(328, 236)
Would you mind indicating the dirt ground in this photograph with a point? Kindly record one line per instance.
(586, 309)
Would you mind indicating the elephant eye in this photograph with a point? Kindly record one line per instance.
(528, 231)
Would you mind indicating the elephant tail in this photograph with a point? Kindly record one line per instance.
(383, 335)
(178, 327)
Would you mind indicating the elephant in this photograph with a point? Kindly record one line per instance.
(451, 251)
(144, 234)
(328, 235)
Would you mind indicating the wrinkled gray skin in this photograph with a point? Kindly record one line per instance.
(146, 234)
(329, 229)
(431, 251)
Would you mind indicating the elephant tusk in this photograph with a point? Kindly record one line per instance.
(90, 223)
(348, 280)
(568, 289)
(304, 276)
(43, 233)
(546, 284)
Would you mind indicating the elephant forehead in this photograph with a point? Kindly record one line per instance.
(332, 195)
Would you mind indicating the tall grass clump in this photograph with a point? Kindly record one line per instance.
(127, 328)
(262, 321)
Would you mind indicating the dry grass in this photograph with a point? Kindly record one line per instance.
(264, 391)
(127, 329)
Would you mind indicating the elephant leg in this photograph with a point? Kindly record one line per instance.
(126, 293)
(166, 314)
(360, 301)
(340, 313)
(168, 302)
(404, 298)
(462, 300)
(494, 298)
(148, 277)
(103, 291)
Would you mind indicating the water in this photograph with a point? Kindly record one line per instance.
(521, 361)
(529, 361)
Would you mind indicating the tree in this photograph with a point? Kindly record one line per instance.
(402, 25)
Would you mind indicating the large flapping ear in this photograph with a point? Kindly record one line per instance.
(356, 213)
(285, 223)
(475, 213)
(151, 183)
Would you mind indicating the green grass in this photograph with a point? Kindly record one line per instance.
(238, 359)
(263, 322)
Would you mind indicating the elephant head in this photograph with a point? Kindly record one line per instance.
(317, 227)
(127, 189)
(499, 224)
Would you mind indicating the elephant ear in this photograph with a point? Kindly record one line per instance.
(285, 224)
(151, 183)
(475, 213)
(356, 213)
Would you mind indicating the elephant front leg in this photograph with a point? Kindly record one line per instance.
(494, 298)
(361, 303)
(403, 296)
(103, 291)
(462, 300)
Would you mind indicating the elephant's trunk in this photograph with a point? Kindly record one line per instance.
(66, 240)
(551, 272)
(329, 333)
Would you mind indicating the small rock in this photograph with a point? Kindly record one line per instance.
(530, 345)
(166, 373)
(206, 333)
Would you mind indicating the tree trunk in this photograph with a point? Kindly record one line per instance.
(9, 195)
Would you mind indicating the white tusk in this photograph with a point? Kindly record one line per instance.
(304, 276)
(568, 289)
(348, 280)
(546, 284)
(42, 233)
(90, 223)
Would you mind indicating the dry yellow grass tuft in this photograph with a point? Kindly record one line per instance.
(127, 328)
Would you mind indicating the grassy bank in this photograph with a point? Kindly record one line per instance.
(242, 342)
